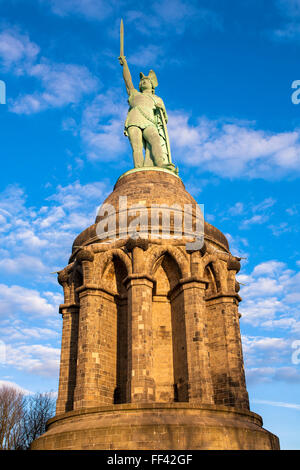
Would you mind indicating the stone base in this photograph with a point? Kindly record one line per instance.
(150, 168)
(157, 426)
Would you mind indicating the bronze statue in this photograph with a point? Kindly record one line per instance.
(146, 120)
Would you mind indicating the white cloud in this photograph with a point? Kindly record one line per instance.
(26, 237)
(238, 246)
(17, 387)
(257, 343)
(102, 127)
(144, 23)
(69, 124)
(292, 210)
(22, 332)
(61, 84)
(38, 239)
(290, 10)
(287, 323)
(178, 14)
(257, 309)
(22, 264)
(259, 374)
(269, 267)
(270, 296)
(270, 374)
(265, 204)
(34, 359)
(12, 200)
(16, 50)
(232, 149)
(268, 359)
(237, 209)
(16, 299)
(55, 215)
(72, 196)
(287, 374)
(279, 229)
(277, 403)
(90, 9)
(258, 219)
(257, 214)
(175, 11)
(148, 55)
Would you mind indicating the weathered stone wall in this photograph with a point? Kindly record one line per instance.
(149, 330)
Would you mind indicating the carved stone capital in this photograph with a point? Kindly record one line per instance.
(139, 243)
(193, 279)
(225, 297)
(68, 308)
(233, 264)
(84, 255)
(63, 277)
(138, 277)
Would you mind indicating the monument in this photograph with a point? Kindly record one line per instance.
(151, 353)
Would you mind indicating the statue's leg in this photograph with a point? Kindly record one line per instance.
(151, 135)
(148, 160)
(136, 140)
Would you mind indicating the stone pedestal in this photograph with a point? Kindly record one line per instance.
(157, 426)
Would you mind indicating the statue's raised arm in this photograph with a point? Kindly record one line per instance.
(146, 122)
(126, 74)
(123, 62)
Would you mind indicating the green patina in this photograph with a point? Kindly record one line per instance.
(146, 122)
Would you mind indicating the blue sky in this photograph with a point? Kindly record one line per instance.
(225, 70)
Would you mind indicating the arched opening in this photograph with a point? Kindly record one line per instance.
(169, 336)
(212, 277)
(113, 277)
(77, 281)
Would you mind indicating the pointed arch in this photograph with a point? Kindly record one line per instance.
(218, 269)
(167, 265)
(157, 252)
(213, 279)
(115, 253)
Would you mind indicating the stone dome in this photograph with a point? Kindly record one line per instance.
(148, 187)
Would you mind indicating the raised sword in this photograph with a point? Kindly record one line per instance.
(121, 39)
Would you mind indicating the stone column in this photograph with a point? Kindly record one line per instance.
(141, 386)
(232, 391)
(86, 257)
(199, 377)
(68, 358)
(236, 373)
(96, 370)
(233, 335)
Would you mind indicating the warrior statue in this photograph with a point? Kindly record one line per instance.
(146, 119)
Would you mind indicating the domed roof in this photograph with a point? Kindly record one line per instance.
(150, 187)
